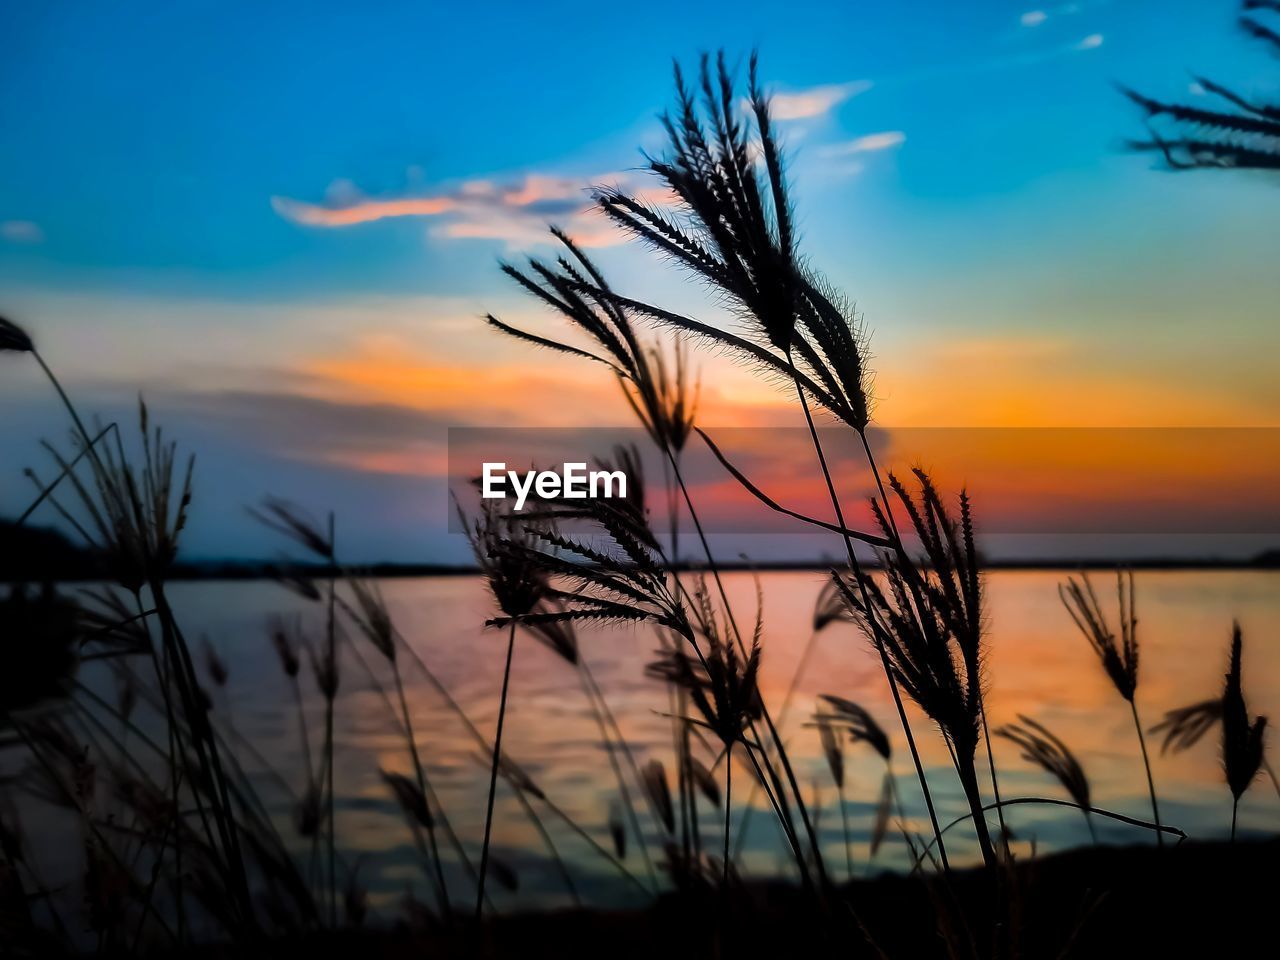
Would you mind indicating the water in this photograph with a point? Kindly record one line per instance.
(1038, 664)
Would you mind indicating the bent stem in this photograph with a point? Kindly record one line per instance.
(879, 645)
(745, 821)
(493, 770)
(1146, 762)
(773, 730)
(728, 806)
(995, 783)
(1055, 802)
(844, 823)
(331, 640)
(441, 887)
(589, 689)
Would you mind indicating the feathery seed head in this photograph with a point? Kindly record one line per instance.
(1119, 656)
(1242, 738)
(1041, 747)
(14, 338)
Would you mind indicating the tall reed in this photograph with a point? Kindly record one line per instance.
(1242, 738)
(733, 229)
(517, 586)
(1118, 655)
(929, 623)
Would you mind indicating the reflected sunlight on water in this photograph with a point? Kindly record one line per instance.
(1038, 664)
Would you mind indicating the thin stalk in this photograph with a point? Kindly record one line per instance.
(71, 801)
(476, 735)
(1235, 809)
(302, 729)
(441, 887)
(728, 806)
(967, 770)
(1055, 802)
(995, 782)
(207, 753)
(1146, 762)
(592, 842)
(493, 771)
(66, 402)
(175, 779)
(617, 730)
(47, 491)
(331, 626)
(745, 820)
(790, 833)
(632, 820)
(773, 732)
(692, 788)
(844, 823)
(884, 656)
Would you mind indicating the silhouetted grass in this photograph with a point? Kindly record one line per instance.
(180, 847)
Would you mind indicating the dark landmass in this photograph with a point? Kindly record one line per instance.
(37, 554)
(1193, 900)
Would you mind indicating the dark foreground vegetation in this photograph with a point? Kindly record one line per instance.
(1200, 900)
(181, 851)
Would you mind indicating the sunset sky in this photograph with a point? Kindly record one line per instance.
(282, 223)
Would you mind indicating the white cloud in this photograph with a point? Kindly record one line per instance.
(21, 231)
(1092, 42)
(884, 140)
(815, 101)
(1034, 18)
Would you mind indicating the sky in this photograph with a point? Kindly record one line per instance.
(282, 223)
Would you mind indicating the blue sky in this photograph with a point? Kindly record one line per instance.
(171, 172)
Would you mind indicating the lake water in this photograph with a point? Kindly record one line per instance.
(1038, 664)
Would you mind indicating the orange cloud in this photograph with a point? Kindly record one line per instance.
(517, 212)
(364, 211)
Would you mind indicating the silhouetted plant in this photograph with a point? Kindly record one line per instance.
(856, 723)
(658, 391)
(928, 623)
(1241, 134)
(722, 687)
(1242, 738)
(1118, 655)
(732, 228)
(1046, 750)
(504, 550)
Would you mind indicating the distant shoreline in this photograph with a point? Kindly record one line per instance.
(267, 571)
(35, 555)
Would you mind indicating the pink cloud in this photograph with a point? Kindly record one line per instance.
(516, 212)
(815, 101)
(871, 142)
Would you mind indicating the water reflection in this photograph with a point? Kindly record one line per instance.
(1038, 665)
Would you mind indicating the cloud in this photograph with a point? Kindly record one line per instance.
(1092, 42)
(871, 142)
(1034, 18)
(21, 231)
(517, 211)
(815, 101)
